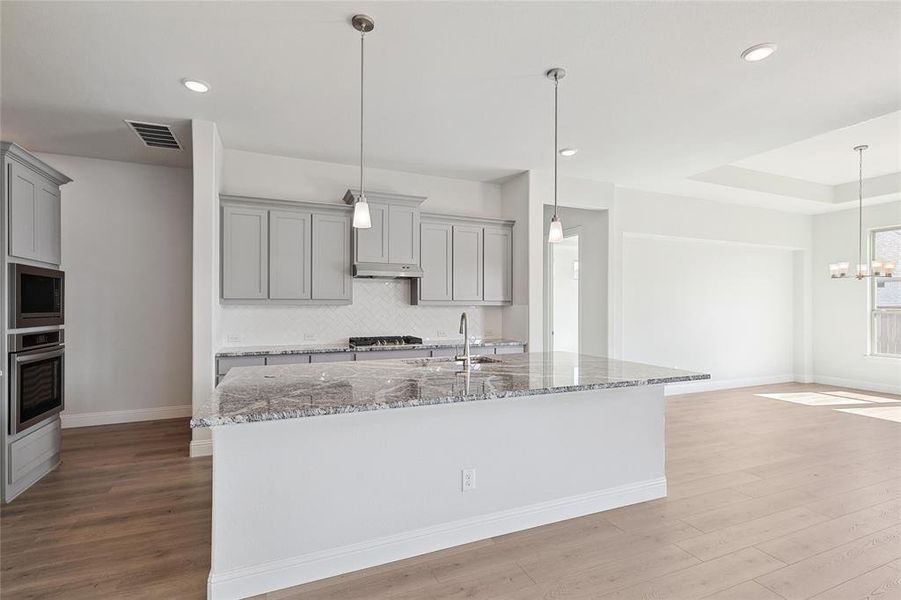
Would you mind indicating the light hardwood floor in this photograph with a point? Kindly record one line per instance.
(769, 499)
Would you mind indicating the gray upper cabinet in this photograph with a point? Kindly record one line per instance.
(285, 252)
(47, 222)
(467, 269)
(245, 250)
(290, 244)
(23, 198)
(331, 257)
(372, 243)
(498, 270)
(436, 283)
(34, 205)
(464, 260)
(403, 243)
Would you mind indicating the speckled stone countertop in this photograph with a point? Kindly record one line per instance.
(323, 348)
(275, 392)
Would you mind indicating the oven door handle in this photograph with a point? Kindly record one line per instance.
(28, 357)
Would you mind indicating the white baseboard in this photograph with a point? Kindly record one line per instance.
(709, 385)
(125, 416)
(871, 386)
(267, 577)
(201, 448)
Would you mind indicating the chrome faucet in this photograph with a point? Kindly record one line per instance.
(464, 329)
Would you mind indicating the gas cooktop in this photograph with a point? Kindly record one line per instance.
(384, 340)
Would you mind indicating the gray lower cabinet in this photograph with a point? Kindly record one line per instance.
(392, 354)
(245, 253)
(329, 357)
(224, 363)
(436, 256)
(288, 359)
(331, 257)
(31, 456)
(467, 268)
(290, 245)
(34, 215)
(498, 264)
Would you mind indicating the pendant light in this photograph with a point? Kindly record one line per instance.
(877, 268)
(555, 233)
(364, 24)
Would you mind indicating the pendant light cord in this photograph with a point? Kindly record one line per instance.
(860, 209)
(362, 58)
(556, 157)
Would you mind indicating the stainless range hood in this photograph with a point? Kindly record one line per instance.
(386, 271)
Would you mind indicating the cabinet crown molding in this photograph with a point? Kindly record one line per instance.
(23, 156)
(229, 199)
(351, 196)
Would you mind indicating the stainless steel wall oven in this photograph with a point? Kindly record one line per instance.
(36, 378)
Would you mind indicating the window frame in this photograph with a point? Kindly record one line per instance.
(872, 310)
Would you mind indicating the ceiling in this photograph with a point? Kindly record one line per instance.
(655, 94)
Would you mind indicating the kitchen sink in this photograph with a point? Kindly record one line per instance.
(450, 360)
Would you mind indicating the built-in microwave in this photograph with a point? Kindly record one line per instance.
(36, 296)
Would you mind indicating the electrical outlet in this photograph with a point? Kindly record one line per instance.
(233, 338)
(309, 337)
(442, 333)
(469, 480)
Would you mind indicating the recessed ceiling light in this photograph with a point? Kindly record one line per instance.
(568, 151)
(195, 85)
(758, 52)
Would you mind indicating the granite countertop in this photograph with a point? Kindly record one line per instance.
(344, 347)
(275, 392)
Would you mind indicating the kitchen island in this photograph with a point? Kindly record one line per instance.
(322, 469)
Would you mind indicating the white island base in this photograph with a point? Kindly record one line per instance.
(298, 500)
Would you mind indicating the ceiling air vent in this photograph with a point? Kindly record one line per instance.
(155, 135)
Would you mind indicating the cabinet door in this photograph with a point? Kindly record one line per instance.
(403, 235)
(24, 187)
(498, 284)
(436, 250)
(47, 222)
(331, 257)
(289, 255)
(245, 272)
(467, 263)
(372, 244)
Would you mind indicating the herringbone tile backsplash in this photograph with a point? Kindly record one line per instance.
(379, 308)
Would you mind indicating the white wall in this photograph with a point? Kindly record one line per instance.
(126, 248)
(841, 308)
(284, 178)
(721, 308)
(515, 205)
(760, 241)
(379, 308)
(208, 160)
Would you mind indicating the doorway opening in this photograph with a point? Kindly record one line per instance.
(564, 296)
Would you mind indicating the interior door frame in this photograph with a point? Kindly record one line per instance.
(549, 289)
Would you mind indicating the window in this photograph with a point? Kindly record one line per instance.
(885, 299)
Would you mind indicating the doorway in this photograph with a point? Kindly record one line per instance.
(564, 296)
